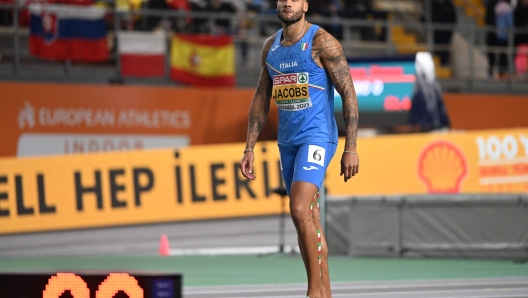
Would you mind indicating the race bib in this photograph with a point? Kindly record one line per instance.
(290, 91)
(316, 154)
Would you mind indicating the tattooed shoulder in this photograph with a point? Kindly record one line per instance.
(317, 46)
(325, 47)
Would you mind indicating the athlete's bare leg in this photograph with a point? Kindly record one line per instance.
(325, 276)
(301, 248)
(301, 197)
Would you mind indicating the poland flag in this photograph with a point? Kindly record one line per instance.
(142, 53)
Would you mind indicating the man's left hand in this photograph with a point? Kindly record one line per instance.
(349, 165)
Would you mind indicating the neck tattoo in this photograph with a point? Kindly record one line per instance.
(290, 39)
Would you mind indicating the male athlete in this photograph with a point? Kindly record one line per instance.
(301, 64)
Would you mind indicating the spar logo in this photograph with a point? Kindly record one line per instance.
(50, 26)
(26, 116)
(303, 78)
(290, 79)
(442, 166)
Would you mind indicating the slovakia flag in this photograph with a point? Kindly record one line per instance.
(68, 32)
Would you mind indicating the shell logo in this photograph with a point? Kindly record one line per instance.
(442, 167)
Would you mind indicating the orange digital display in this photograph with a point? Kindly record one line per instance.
(116, 282)
(62, 282)
(91, 285)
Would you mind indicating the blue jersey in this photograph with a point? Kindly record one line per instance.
(303, 93)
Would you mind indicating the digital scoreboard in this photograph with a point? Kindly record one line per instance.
(384, 88)
(91, 284)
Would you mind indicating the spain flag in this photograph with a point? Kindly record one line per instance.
(203, 60)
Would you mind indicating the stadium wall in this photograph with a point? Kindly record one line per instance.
(477, 225)
(75, 118)
(486, 111)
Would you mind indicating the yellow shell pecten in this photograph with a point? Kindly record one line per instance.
(442, 167)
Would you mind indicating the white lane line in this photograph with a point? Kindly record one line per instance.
(348, 295)
(480, 296)
(295, 287)
(274, 290)
(392, 283)
(248, 250)
(472, 291)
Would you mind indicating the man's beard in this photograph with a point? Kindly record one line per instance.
(297, 16)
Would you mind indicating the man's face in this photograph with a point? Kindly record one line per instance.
(291, 11)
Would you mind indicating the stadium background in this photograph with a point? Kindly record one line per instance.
(432, 214)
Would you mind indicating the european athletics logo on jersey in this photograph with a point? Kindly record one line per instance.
(304, 46)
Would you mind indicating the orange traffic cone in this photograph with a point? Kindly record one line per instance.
(164, 248)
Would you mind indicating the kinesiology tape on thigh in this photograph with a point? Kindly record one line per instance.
(315, 201)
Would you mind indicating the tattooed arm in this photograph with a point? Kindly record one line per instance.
(258, 112)
(328, 53)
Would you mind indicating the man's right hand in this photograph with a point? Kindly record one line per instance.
(246, 165)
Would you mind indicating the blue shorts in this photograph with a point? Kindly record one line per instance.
(306, 162)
